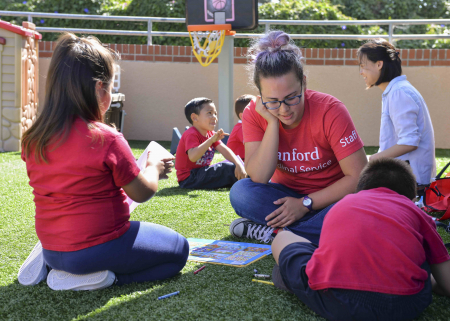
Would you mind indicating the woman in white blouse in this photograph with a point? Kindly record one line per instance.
(406, 129)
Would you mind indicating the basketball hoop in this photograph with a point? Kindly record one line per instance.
(207, 41)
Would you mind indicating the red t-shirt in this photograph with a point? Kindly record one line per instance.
(192, 138)
(236, 141)
(375, 240)
(78, 195)
(309, 155)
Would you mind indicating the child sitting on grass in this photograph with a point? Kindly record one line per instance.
(81, 171)
(378, 258)
(196, 150)
(236, 139)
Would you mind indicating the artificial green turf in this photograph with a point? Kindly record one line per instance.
(216, 293)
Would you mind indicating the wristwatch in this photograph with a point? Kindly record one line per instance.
(308, 202)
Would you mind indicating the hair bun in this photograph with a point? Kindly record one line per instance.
(275, 41)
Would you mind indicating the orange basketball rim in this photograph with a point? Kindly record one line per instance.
(207, 41)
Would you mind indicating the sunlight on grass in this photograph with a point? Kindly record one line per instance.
(216, 293)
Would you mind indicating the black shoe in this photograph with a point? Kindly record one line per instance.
(243, 227)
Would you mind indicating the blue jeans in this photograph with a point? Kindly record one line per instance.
(254, 201)
(146, 252)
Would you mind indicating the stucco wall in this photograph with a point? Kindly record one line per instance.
(156, 93)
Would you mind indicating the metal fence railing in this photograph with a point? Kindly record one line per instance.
(267, 23)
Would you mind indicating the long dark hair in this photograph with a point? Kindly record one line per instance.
(381, 50)
(76, 67)
(274, 55)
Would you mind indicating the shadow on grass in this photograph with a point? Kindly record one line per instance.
(175, 190)
(40, 302)
(140, 301)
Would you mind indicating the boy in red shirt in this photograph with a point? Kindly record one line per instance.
(236, 139)
(196, 150)
(378, 258)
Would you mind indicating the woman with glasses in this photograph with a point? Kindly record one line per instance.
(302, 150)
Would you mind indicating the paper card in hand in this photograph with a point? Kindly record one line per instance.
(161, 152)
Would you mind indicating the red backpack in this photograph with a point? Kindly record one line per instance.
(437, 195)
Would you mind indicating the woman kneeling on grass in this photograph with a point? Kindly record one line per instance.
(302, 151)
(81, 171)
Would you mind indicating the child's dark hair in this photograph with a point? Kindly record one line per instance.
(195, 106)
(391, 173)
(381, 50)
(275, 55)
(77, 65)
(241, 103)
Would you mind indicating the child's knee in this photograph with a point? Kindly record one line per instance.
(183, 253)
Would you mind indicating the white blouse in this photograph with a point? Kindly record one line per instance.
(405, 120)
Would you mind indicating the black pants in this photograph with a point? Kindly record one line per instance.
(342, 304)
(211, 177)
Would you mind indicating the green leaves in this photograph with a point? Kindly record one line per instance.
(311, 10)
(282, 10)
(398, 9)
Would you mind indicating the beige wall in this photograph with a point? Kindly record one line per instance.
(157, 92)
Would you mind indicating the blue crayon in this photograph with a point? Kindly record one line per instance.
(168, 295)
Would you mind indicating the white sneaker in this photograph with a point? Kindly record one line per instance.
(34, 269)
(243, 227)
(60, 280)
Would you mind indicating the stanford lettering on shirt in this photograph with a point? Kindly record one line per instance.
(309, 155)
(350, 139)
(192, 138)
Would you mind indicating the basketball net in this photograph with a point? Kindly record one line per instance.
(207, 44)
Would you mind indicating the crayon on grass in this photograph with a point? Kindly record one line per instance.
(200, 269)
(262, 276)
(255, 270)
(168, 295)
(265, 282)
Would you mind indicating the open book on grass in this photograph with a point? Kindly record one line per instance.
(153, 147)
(236, 254)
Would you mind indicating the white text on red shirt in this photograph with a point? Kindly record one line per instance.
(350, 139)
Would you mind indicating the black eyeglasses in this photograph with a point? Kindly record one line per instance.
(275, 104)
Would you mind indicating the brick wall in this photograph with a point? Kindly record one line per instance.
(324, 57)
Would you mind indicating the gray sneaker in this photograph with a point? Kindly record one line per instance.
(34, 269)
(243, 227)
(60, 280)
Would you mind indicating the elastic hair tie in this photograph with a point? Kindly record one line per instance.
(279, 48)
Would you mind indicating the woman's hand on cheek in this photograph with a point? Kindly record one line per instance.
(290, 211)
(263, 111)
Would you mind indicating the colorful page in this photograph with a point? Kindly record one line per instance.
(154, 147)
(226, 252)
